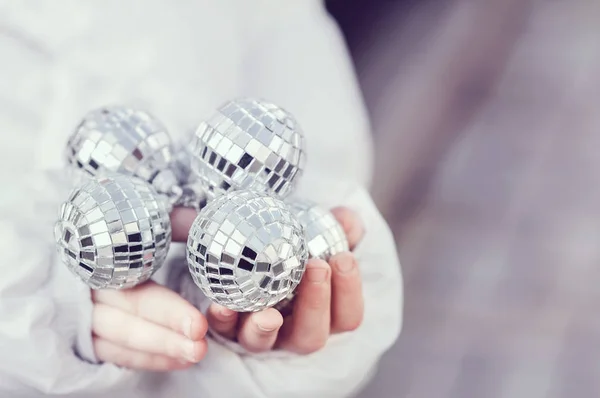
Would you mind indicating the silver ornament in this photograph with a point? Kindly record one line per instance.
(118, 139)
(183, 158)
(325, 237)
(113, 231)
(192, 191)
(192, 196)
(246, 251)
(248, 144)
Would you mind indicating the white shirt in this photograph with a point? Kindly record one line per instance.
(178, 60)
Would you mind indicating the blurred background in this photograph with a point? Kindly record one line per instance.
(487, 130)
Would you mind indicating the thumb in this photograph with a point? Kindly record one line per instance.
(181, 222)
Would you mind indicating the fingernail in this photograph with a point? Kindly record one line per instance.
(266, 328)
(188, 351)
(187, 327)
(345, 265)
(316, 275)
(183, 361)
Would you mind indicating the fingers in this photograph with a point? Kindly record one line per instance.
(182, 219)
(309, 327)
(129, 331)
(128, 358)
(351, 223)
(347, 307)
(157, 304)
(223, 320)
(258, 331)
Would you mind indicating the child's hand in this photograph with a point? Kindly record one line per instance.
(148, 327)
(329, 300)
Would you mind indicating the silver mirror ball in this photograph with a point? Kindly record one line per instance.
(113, 231)
(119, 139)
(248, 144)
(246, 251)
(324, 236)
(193, 193)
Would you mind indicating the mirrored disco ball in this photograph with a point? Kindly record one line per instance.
(123, 140)
(325, 237)
(113, 232)
(246, 251)
(248, 144)
(192, 191)
(192, 196)
(182, 158)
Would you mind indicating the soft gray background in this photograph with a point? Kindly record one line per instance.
(486, 116)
